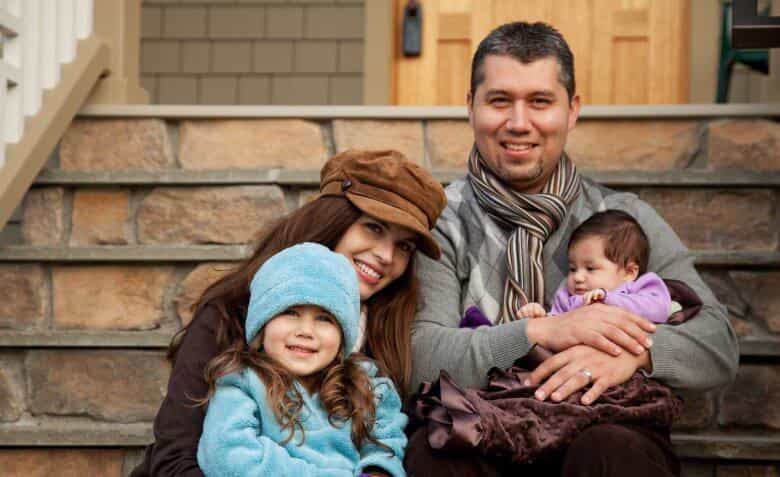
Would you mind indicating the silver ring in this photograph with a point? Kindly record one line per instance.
(587, 374)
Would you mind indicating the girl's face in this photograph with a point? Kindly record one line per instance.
(590, 269)
(303, 339)
(379, 252)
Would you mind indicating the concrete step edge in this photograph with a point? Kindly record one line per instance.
(310, 177)
(720, 445)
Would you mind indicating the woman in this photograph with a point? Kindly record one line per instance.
(376, 208)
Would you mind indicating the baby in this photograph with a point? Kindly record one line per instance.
(608, 255)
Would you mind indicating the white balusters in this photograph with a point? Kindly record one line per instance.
(38, 37)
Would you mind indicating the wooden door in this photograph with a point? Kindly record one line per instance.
(626, 51)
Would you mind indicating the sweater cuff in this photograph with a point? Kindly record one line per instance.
(508, 343)
(662, 356)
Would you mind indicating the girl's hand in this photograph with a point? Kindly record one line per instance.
(531, 310)
(594, 295)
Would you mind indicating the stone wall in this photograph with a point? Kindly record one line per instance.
(82, 391)
(253, 51)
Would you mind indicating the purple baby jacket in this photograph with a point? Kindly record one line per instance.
(647, 296)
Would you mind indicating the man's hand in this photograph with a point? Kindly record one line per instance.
(567, 372)
(594, 296)
(606, 328)
(531, 310)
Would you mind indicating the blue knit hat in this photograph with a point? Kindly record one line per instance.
(305, 274)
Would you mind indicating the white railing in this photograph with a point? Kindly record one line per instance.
(37, 37)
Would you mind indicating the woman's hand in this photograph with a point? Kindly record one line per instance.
(578, 366)
(603, 327)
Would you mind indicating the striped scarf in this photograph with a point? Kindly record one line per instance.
(533, 217)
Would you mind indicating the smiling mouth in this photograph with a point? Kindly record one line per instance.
(517, 147)
(301, 350)
(368, 271)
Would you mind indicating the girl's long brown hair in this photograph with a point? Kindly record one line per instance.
(323, 220)
(344, 389)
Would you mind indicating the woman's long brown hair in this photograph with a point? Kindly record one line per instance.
(323, 220)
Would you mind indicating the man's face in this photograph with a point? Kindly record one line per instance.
(521, 115)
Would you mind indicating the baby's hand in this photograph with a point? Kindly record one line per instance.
(531, 310)
(593, 296)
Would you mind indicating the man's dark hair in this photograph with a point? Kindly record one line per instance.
(624, 239)
(525, 42)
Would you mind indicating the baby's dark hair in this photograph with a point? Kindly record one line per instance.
(624, 239)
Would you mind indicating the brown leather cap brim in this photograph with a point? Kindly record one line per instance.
(388, 213)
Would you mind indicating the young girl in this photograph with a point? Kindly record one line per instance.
(295, 402)
(608, 256)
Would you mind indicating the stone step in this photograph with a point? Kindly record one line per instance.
(310, 178)
(205, 253)
(77, 432)
(767, 346)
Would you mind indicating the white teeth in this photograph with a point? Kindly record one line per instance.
(518, 147)
(367, 270)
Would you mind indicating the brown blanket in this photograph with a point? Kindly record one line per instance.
(505, 420)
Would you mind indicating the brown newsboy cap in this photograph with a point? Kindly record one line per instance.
(388, 186)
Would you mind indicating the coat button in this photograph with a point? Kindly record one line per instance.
(346, 184)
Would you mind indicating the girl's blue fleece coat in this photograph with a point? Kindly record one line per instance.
(241, 437)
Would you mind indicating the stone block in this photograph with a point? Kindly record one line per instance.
(12, 386)
(251, 144)
(116, 144)
(747, 470)
(646, 145)
(334, 22)
(195, 284)
(345, 90)
(151, 22)
(207, 215)
(751, 400)
(110, 297)
(752, 145)
(698, 411)
(719, 219)
(760, 291)
(109, 385)
(303, 90)
(42, 462)
(449, 143)
(149, 83)
(24, 289)
(100, 217)
(403, 136)
(43, 221)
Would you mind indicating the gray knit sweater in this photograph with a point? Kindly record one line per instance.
(699, 354)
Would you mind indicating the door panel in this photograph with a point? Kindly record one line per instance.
(626, 51)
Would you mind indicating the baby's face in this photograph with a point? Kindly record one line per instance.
(589, 268)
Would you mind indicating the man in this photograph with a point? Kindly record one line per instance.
(504, 235)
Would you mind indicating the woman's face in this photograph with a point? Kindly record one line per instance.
(379, 252)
